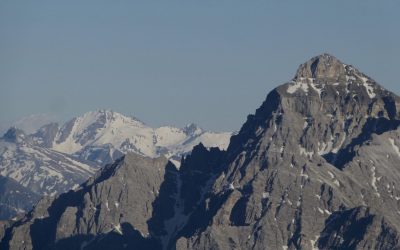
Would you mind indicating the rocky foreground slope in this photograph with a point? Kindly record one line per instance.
(316, 167)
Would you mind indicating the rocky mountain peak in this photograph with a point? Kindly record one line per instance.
(329, 79)
(321, 66)
(105, 116)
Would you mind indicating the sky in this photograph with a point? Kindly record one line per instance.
(174, 62)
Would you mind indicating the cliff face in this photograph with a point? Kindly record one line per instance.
(315, 167)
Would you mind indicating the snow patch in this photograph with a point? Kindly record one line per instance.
(295, 86)
(106, 204)
(369, 87)
(118, 229)
(304, 151)
(313, 243)
(336, 182)
(318, 89)
(302, 174)
(298, 203)
(373, 181)
(305, 125)
(336, 149)
(324, 148)
(395, 147)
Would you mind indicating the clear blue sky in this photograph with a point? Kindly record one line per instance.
(172, 62)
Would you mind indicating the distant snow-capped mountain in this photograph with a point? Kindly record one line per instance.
(103, 136)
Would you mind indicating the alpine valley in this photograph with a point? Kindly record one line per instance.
(316, 167)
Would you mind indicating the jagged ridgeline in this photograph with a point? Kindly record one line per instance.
(316, 167)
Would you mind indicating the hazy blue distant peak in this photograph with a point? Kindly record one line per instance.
(29, 124)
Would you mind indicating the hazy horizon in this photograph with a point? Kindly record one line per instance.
(171, 63)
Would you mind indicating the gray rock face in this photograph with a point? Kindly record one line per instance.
(316, 167)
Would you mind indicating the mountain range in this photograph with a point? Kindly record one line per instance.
(55, 159)
(315, 167)
(103, 136)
